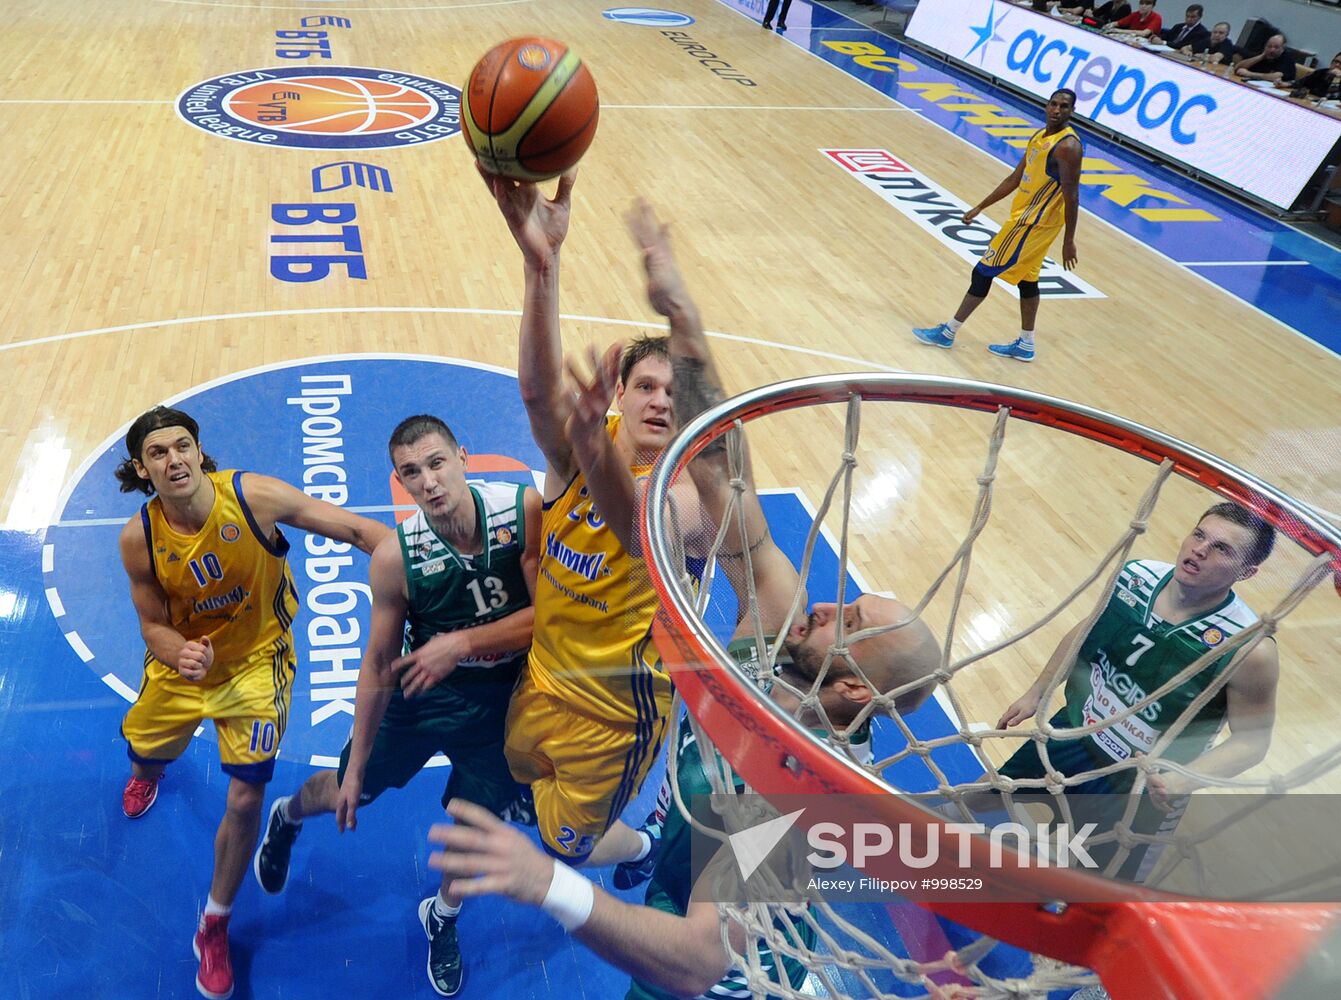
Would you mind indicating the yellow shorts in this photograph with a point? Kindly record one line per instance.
(249, 707)
(1017, 252)
(582, 771)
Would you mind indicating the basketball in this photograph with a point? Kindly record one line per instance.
(529, 109)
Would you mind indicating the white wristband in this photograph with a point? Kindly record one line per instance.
(570, 897)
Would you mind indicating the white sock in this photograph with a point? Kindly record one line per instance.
(284, 811)
(443, 908)
(1027, 338)
(953, 325)
(646, 849)
(213, 908)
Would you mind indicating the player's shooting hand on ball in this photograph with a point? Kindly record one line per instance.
(538, 224)
(195, 659)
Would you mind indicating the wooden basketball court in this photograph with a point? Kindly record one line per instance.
(141, 266)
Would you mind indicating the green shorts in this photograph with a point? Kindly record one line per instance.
(465, 722)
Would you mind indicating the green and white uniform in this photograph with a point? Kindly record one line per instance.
(1130, 652)
(463, 715)
(672, 878)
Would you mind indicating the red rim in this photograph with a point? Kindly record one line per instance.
(1200, 949)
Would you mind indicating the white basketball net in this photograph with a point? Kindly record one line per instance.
(844, 953)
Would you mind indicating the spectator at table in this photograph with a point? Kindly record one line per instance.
(1323, 83)
(1191, 34)
(1273, 63)
(1220, 49)
(1145, 23)
(1104, 13)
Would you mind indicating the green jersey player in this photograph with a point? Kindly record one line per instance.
(1160, 619)
(451, 590)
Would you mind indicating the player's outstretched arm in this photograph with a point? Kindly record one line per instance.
(540, 226)
(1000, 191)
(273, 501)
(377, 681)
(190, 659)
(485, 856)
(1025, 707)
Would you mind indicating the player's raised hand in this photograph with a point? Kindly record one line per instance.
(195, 659)
(592, 390)
(665, 286)
(431, 663)
(486, 856)
(538, 224)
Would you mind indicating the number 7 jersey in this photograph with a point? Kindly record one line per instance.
(1131, 652)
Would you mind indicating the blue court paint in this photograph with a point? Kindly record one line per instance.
(1305, 298)
(85, 888)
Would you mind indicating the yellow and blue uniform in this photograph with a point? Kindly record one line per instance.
(589, 713)
(1037, 214)
(230, 583)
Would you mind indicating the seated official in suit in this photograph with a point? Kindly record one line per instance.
(1191, 34)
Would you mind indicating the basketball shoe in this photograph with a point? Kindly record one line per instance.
(936, 336)
(215, 978)
(444, 954)
(634, 873)
(271, 863)
(1016, 349)
(139, 795)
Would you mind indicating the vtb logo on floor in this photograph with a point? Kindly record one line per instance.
(345, 107)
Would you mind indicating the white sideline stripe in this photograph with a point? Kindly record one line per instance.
(321, 760)
(54, 599)
(104, 522)
(119, 686)
(1245, 263)
(48, 557)
(80, 647)
(86, 102)
(746, 107)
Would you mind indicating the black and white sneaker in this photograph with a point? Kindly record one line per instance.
(271, 863)
(444, 954)
(629, 874)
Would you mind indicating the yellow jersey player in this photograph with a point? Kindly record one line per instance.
(588, 716)
(211, 585)
(1046, 183)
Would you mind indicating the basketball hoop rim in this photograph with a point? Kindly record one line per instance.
(739, 717)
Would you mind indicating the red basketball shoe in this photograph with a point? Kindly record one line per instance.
(138, 796)
(215, 978)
